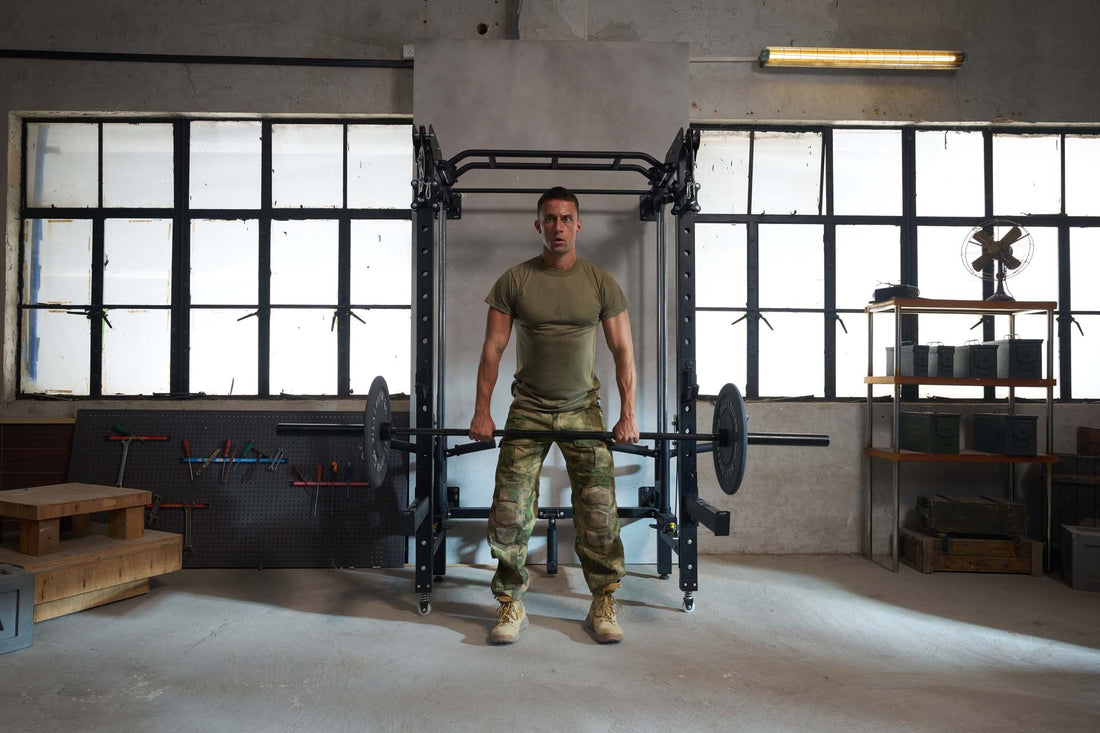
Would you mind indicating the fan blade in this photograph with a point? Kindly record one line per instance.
(1013, 234)
(984, 238)
(1010, 262)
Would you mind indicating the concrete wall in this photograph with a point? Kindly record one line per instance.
(1028, 62)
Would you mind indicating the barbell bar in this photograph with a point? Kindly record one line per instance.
(730, 436)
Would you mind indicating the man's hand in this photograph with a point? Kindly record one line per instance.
(482, 427)
(626, 430)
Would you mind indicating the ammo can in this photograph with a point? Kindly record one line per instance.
(914, 360)
(929, 432)
(941, 361)
(1019, 358)
(1009, 435)
(976, 360)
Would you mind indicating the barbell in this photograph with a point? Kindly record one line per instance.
(729, 438)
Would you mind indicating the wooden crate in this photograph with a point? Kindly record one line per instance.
(928, 552)
(95, 569)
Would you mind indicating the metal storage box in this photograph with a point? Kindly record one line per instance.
(1081, 556)
(1010, 435)
(16, 608)
(1019, 358)
(976, 360)
(914, 360)
(941, 361)
(928, 432)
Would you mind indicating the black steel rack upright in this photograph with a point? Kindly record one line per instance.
(435, 200)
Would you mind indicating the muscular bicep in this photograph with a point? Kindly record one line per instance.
(616, 331)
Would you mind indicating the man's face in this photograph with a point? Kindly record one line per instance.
(558, 223)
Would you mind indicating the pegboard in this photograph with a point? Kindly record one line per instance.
(256, 517)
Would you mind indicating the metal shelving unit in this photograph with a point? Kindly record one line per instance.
(899, 307)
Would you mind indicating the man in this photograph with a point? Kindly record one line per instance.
(556, 300)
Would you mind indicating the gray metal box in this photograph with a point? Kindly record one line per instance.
(976, 360)
(1019, 358)
(941, 360)
(1081, 556)
(914, 360)
(16, 608)
(1009, 435)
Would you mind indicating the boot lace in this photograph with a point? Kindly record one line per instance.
(606, 606)
(508, 612)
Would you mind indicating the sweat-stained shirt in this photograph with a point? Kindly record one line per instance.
(555, 314)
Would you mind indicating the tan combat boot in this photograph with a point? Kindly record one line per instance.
(601, 616)
(511, 619)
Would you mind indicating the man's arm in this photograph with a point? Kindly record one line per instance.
(617, 332)
(498, 329)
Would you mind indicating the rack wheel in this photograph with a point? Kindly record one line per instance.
(425, 605)
(689, 603)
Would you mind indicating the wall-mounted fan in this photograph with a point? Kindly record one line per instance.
(996, 250)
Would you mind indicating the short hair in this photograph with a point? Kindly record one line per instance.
(558, 193)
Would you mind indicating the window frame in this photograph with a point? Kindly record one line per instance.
(181, 216)
(908, 222)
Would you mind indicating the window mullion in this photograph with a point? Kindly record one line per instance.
(180, 368)
(263, 328)
(343, 310)
(829, 246)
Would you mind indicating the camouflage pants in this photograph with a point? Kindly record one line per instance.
(515, 499)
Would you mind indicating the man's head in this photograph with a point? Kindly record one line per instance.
(559, 220)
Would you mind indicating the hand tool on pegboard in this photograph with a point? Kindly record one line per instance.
(209, 459)
(243, 454)
(305, 485)
(186, 506)
(228, 460)
(127, 437)
(187, 458)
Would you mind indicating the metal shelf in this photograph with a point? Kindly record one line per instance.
(899, 307)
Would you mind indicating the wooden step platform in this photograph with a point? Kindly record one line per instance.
(930, 552)
(88, 564)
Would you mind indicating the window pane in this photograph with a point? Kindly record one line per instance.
(1036, 279)
(720, 350)
(950, 173)
(1086, 355)
(225, 165)
(1082, 162)
(136, 352)
(307, 166)
(720, 265)
(57, 261)
(851, 354)
(137, 266)
(722, 170)
(381, 345)
(1084, 254)
(786, 173)
(381, 262)
(867, 172)
(792, 266)
(224, 258)
(223, 352)
(62, 164)
(867, 257)
(304, 259)
(137, 165)
(56, 347)
(941, 269)
(1027, 174)
(792, 356)
(380, 166)
(303, 352)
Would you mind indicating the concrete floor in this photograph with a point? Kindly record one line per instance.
(777, 643)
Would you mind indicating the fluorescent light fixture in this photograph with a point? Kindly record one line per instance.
(860, 58)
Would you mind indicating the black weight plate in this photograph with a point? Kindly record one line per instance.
(731, 421)
(376, 449)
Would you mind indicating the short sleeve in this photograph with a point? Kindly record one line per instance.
(502, 296)
(612, 297)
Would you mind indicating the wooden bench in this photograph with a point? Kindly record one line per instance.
(40, 510)
(86, 564)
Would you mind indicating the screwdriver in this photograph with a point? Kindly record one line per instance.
(187, 455)
(243, 454)
(228, 460)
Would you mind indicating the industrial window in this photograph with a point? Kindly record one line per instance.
(218, 257)
(799, 225)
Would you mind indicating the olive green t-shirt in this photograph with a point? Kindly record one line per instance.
(555, 314)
